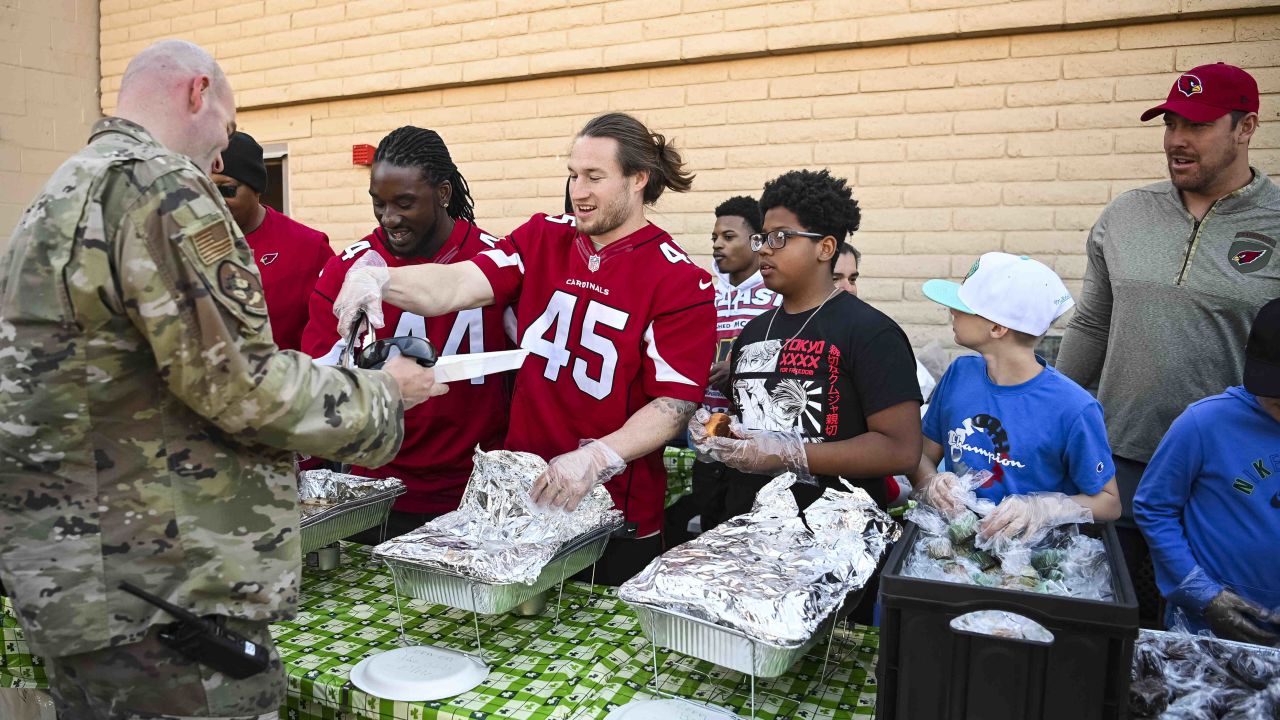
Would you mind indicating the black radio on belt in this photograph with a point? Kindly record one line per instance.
(207, 640)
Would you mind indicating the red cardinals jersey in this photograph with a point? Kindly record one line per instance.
(440, 434)
(608, 331)
(290, 256)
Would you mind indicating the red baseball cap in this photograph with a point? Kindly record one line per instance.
(1207, 92)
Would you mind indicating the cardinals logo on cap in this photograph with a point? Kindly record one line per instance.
(1190, 85)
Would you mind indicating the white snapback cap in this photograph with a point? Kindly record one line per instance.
(1013, 290)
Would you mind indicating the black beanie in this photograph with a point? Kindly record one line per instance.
(242, 160)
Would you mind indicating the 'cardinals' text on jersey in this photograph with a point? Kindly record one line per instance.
(441, 434)
(608, 331)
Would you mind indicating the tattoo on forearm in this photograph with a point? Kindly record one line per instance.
(678, 410)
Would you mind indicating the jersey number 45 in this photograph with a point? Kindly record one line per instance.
(557, 320)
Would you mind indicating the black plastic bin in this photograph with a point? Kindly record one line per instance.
(930, 671)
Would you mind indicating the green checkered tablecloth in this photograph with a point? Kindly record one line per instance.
(593, 659)
(20, 669)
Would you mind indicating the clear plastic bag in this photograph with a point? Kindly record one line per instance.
(1177, 676)
(1057, 560)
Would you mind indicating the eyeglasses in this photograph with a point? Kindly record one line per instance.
(778, 238)
(228, 191)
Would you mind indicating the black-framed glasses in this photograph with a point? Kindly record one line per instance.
(228, 191)
(778, 238)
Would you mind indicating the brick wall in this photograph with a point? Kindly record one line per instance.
(48, 94)
(998, 139)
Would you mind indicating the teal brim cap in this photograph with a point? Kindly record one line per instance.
(945, 292)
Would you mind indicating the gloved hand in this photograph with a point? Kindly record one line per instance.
(1026, 518)
(765, 452)
(944, 492)
(1234, 618)
(569, 477)
(362, 290)
(698, 434)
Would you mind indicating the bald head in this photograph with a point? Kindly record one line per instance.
(176, 91)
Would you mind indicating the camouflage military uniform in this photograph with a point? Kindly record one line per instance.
(145, 412)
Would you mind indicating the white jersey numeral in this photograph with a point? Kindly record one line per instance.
(557, 318)
(355, 249)
(673, 255)
(559, 314)
(488, 239)
(598, 314)
(563, 220)
(468, 325)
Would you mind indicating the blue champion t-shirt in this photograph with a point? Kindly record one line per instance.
(1044, 435)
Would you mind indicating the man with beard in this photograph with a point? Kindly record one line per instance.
(425, 216)
(618, 320)
(1177, 271)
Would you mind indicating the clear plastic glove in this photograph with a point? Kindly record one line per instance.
(362, 290)
(569, 477)
(1027, 518)
(763, 452)
(944, 492)
(1234, 618)
(698, 434)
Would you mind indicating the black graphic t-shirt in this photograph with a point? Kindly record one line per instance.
(849, 362)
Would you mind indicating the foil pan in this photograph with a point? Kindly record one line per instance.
(441, 587)
(497, 535)
(335, 505)
(772, 574)
(723, 646)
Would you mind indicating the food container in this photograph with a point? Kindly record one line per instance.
(422, 582)
(342, 520)
(728, 647)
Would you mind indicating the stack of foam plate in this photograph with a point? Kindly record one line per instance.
(419, 674)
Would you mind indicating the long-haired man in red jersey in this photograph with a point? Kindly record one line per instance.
(619, 322)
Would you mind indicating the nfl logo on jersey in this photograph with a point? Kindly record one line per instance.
(593, 263)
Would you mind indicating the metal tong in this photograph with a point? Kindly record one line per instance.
(350, 353)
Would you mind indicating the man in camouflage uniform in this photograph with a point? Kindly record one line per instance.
(147, 418)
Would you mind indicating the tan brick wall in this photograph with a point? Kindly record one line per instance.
(48, 95)
(288, 51)
(999, 139)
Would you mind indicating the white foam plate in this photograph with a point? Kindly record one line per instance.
(452, 368)
(672, 709)
(418, 674)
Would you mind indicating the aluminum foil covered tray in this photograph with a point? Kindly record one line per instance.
(497, 535)
(336, 505)
(771, 576)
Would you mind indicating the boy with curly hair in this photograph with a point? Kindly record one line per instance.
(824, 385)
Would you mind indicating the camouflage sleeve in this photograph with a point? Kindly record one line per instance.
(192, 289)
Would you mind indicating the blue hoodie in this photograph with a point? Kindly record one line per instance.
(1209, 504)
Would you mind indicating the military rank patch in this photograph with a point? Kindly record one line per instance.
(212, 243)
(242, 286)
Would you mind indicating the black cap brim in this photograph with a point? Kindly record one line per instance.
(1261, 378)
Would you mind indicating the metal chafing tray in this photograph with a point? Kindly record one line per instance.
(345, 519)
(443, 587)
(724, 646)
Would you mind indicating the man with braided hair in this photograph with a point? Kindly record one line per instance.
(619, 321)
(425, 217)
